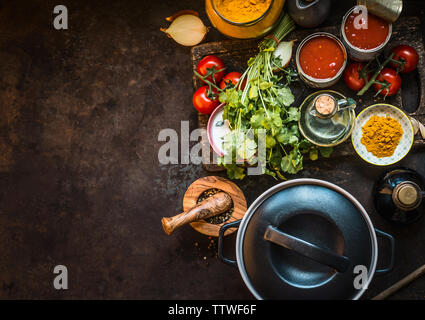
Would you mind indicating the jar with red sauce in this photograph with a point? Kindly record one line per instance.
(364, 44)
(321, 59)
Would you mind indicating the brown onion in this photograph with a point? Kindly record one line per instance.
(284, 52)
(186, 28)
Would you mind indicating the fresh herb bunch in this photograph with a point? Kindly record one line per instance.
(265, 103)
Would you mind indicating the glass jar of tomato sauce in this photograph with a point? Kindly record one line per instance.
(255, 28)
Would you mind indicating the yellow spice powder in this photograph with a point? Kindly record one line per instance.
(241, 10)
(381, 136)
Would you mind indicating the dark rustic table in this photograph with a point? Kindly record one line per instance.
(80, 181)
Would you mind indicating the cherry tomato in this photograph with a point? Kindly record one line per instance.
(408, 55)
(211, 65)
(392, 77)
(233, 78)
(352, 76)
(203, 103)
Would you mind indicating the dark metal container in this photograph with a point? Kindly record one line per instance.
(389, 10)
(305, 239)
(308, 14)
(357, 53)
(314, 82)
(398, 195)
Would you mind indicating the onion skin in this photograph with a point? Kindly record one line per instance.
(180, 13)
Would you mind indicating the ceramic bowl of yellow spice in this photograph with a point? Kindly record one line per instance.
(244, 19)
(383, 134)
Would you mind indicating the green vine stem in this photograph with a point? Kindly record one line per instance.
(207, 81)
(378, 71)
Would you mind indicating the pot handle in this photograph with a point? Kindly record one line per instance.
(388, 269)
(307, 249)
(221, 238)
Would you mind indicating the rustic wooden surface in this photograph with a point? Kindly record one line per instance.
(212, 182)
(80, 182)
(235, 53)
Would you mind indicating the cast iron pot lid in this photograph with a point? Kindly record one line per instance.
(303, 240)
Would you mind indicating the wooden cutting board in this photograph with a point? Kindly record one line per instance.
(235, 54)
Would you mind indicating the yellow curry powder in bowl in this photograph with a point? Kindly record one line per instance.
(241, 11)
(381, 136)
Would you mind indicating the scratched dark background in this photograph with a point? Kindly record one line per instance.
(80, 182)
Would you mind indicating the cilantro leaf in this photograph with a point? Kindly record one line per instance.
(314, 154)
(284, 135)
(293, 162)
(292, 114)
(304, 145)
(285, 96)
(325, 151)
(265, 85)
(270, 141)
(257, 119)
(239, 145)
(270, 173)
(235, 172)
(253, 92)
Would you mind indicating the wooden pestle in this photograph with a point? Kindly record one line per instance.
(212, 206)
(403, 282)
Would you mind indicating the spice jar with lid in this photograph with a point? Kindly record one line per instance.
(243, 19)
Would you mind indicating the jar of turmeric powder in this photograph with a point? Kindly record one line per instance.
(244, 19)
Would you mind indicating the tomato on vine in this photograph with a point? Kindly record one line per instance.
(232, 79)
(353, 76)
(389, 82)
(211, 68)
(205, 100)
(407, 56)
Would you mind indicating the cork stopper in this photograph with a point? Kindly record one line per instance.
(325, 104)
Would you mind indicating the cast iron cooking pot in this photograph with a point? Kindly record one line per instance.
(302, 239)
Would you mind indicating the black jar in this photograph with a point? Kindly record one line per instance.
(398, 195)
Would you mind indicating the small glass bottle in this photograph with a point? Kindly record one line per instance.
(399, 195)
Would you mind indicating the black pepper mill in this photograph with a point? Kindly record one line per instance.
(399, 195)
